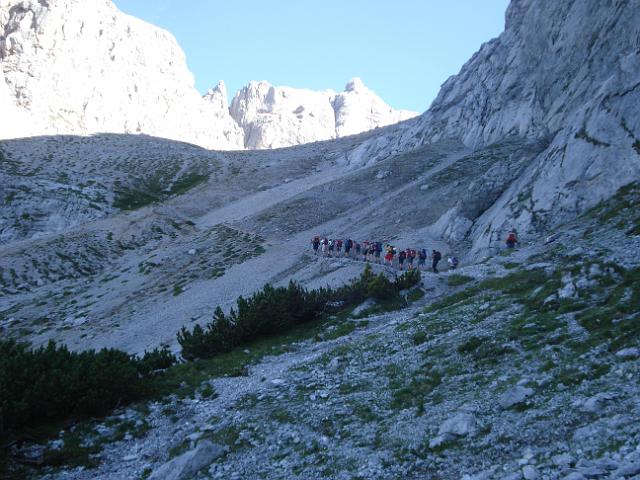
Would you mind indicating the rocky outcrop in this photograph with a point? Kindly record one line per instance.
(359, 109)
(563, 75)
(187, 465)
(275, 117)
(75, 67)
(79, 67)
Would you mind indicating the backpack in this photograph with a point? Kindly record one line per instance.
(437, 256)
(316, 239)
(423, 254)
(349, 243)
(454, 261)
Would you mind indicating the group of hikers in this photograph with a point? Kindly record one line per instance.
(373, 251)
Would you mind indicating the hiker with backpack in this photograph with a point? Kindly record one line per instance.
(338, 248)
(347, 247)
(512, 240)
(436, 256)
(377, 250)
(357, 247)
(365, 250)
(422, 259)
(388, 257)
(453, 262)
(332, 246)
(411, 256)
(325, 246)
(401, 258)
(315, 243)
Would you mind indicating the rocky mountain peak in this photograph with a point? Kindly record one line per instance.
(355, 85)
(127, 76)
(132, 77)
(283, 116)
(217, 97)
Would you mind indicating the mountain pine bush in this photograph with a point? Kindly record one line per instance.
(274, 310)
(51, 383)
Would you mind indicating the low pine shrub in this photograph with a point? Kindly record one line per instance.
(268, 312)
(51, 383)
(275, 310)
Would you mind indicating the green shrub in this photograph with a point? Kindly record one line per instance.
(157, 359)
(420, 337)
(471, 344)
(456, 280)
(267, 312)
(274, 310)
(408, 279)
(52, 383)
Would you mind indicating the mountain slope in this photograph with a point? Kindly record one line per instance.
(564, 74)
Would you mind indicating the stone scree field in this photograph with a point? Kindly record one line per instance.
(522, 366)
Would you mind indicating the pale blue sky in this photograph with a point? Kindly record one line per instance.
(403, 50)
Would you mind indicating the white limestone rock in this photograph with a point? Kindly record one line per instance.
(359, 109)
(185, 466)
(77, 67)
(274, 117)
(515, 396)
(630, 353)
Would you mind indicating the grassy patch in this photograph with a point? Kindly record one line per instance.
(187, 182)
(456, 280)
(420, 337)
(415, 295)
(416, 391)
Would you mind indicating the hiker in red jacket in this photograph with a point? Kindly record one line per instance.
(512, 240)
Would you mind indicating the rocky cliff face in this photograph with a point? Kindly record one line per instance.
(84, 67)
(358, 109)
(283, 116)
(131, 77)
(563, 75)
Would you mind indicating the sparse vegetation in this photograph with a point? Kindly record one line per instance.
(276, 310)
(455, 280)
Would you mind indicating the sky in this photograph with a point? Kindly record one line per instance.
(403, 50)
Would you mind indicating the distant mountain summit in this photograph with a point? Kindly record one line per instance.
(78, 67)
(283, 116)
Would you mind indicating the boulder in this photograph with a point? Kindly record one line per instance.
(514, 396)
(628, 353)
(563, 460)
(460, 425)
(529, 472)
(185, 466)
